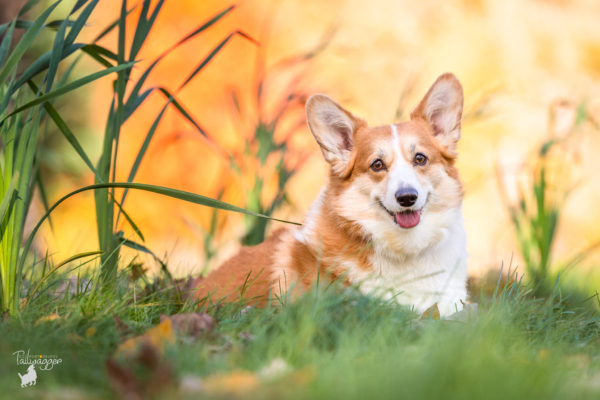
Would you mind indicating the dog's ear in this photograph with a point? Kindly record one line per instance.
(333, 128)
(442, 109)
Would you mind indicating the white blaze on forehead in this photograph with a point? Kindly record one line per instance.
(395, 138)
(401, 173)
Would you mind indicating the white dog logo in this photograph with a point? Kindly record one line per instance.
(30, 378)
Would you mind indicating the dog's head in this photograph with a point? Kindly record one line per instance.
(396, 181)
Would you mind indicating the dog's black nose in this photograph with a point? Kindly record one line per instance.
(406, 197)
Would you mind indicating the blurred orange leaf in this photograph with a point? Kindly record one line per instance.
(432, 312)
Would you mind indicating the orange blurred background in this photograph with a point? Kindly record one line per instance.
(515, 58)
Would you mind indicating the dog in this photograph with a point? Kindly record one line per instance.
(389, 220)
(30, 377)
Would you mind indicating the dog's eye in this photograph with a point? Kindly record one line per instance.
(377, 165)
(420, 159)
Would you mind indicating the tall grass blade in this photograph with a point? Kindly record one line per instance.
(79, 23)
(28, 6)
(25, 43)
(67, 88)
(75, 257)
(6, 42)
(112, 26)
(164, 191)
(66, 131)
(214, 52)
(8, 198)
(39, 65)
(143, 27)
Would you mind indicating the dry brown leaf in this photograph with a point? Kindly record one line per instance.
(191, 324)
(122, 328)
(91, 331)
(138, 270)
(158, 336)
(432, 312)
(140, 374)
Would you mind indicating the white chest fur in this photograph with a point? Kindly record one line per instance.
(435, 274)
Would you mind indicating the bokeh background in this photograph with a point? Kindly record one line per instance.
(528, 68)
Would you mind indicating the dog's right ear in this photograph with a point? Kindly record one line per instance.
(333, 128)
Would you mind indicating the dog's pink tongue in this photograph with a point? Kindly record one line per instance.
(408, 219)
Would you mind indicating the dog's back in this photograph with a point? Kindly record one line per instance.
(247, 276)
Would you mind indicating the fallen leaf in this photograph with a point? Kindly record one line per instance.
(89, 332)
(138, 270)
(74, 338)
(191, 324)
(122, 328)
(158, 336)
(543, 354)
(140, 374)
(47, 318)
(432, 312)
(234, 383)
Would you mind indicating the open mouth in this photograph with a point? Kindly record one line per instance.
(405, 219)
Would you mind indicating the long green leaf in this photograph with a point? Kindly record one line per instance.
(133, 225)
(67, 88)
(96, 56)
(111, 26)
(6, 42)
(8, 197)
(25, 43)
(143, 27)
(66, 131)
(140, 247)
(80, 22)
(171, 97)
(68, 134)
(142, 151)
(164, 191)
(77, 6)
(25, 24)
(179, 107)
(133, 101)
(43, 195)
(56, 55)
(101, 50)
(28, 6)
(214, 52)
(40, 64)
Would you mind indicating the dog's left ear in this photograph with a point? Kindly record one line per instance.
(442, 109)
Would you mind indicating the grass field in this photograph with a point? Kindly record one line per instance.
(117, 325)
(332, 343)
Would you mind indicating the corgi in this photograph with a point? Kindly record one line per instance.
(388, 220)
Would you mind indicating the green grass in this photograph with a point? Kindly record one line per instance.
(337, 343)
